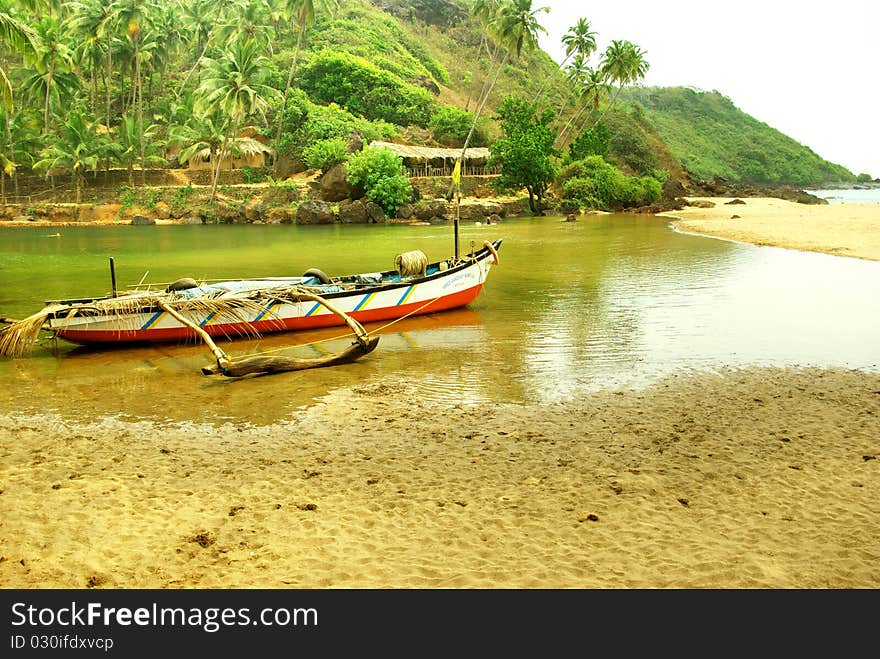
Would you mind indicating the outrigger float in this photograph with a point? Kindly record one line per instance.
(187, 309)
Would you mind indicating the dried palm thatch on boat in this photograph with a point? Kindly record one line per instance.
(17, 339)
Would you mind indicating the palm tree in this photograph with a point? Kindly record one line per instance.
(200, 17)
(21, 132)
(77, 148)
(592, 87)
(91, 21)
(623, 63)
(250, 22)
(20, 37)
(302, 13)
(515, 27)
(579, 41)
(52, 63)
(126, 146)
(232, 84)
(136, 16)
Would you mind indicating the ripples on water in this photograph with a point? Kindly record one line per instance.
(608, 301)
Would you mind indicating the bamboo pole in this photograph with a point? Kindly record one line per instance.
(221, 357)
(266, 364)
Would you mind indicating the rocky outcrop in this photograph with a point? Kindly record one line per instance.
(353, 212)
(142, 220)
(334, 185)
(442, 13)
(375, 214)
(314, 212)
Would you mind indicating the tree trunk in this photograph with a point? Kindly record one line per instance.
(140, 101)
(299, 38)
(192, 70)
(49, 75)
(219, 162)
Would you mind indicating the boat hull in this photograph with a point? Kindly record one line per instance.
(440, 291)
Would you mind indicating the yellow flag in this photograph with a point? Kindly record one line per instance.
(456, 173)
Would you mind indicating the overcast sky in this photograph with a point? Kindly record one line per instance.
(807, 69)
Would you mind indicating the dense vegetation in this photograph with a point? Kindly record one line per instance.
(135, 84)
(711, 136)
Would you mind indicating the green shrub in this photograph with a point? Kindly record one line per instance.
(591, 142)
(325, 154)
(451, 125)
(381, 175)
(343, 78)
(594, 183)
(306, 122)
(253, 174)
(864, 178)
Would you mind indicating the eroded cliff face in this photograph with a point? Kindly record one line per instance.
(441, 13)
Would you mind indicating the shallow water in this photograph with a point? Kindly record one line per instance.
(849, 195)
(607, 301)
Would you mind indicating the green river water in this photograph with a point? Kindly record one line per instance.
(607, 301)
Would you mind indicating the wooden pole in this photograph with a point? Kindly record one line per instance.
(221, 357)
(113, 276)
(266, 364)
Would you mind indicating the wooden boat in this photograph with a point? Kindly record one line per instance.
(188, 310)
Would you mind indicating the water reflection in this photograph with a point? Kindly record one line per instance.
(607, 301)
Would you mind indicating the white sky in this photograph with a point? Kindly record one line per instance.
(810, 70)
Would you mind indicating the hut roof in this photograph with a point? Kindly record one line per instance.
(425, 153)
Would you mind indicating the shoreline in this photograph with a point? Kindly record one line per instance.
(753, 478)
(849, 229)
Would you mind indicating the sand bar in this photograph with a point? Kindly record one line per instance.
(765, 478)
(841, 229)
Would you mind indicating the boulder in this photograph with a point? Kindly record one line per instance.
(281, 215)
(142, 220)
(192, 219)
(375, 214)
(162, 211)
(334, 185)
(353, 212)
(355, 142)
(253, 210)
(314, 212)
(425, 210)
(405, 212)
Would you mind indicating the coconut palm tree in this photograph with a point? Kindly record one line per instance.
(593, 87)
(52, 64)
(77, 149)
(623, 63)
(20, 37)
(126, 145)
(136, 16)
(250, 22)
(232, 84)
(303, 14)
(514, 27)
(579, 41)
(91, 21)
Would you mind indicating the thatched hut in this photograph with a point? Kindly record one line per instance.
(437, 161)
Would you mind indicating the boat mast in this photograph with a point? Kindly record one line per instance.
(456, 180)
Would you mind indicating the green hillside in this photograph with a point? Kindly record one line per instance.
(712, 137)
(152, 84)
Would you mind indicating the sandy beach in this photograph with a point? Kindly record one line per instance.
(841, 229)
(766, 478)
(757, 478)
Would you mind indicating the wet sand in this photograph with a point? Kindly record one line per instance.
(841, 229)
(764, 478)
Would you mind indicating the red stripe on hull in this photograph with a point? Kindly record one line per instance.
(238, 330)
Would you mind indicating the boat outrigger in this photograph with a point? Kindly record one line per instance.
(187, 309)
